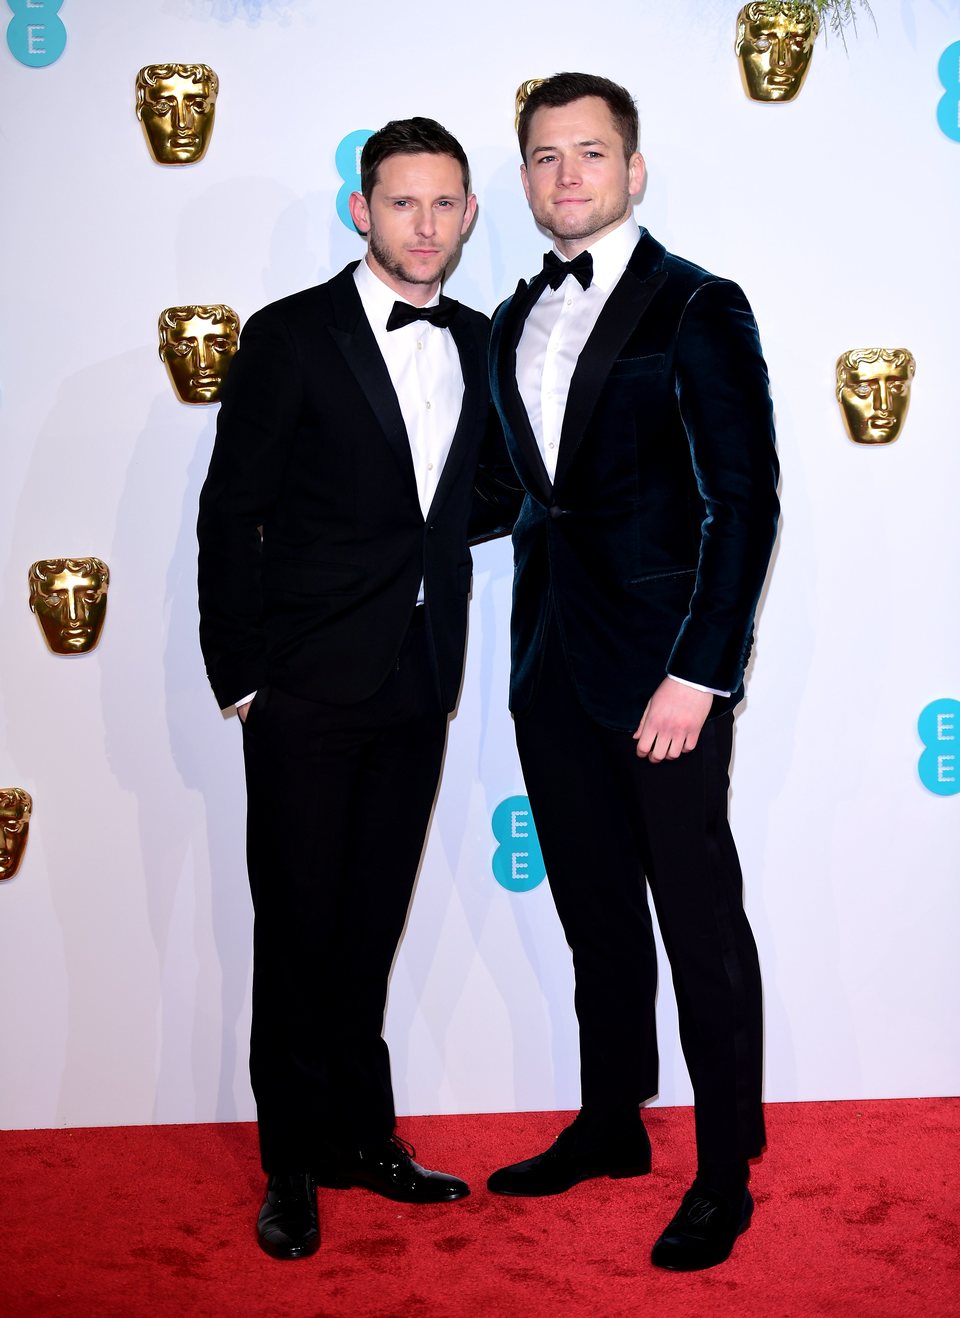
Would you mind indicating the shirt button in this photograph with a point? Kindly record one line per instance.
(428, 404)
(551, 445)
(419, 345)
(569, 302)
(429, 466)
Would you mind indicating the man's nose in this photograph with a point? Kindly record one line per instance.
(569, 175)
(426, 222)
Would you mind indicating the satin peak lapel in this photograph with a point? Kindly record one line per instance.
(514, 319)
(354, 337)
(472, 366)
(617, 321)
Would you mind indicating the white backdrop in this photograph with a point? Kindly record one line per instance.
(124, 940)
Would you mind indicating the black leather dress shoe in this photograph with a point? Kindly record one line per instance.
(582, 1151)
(287, 1227)
(704, 1230)
(387, 1167)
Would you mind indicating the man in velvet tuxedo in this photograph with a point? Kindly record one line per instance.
(333, 577)
(636, 406)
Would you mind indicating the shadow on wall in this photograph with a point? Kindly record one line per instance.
(150, 895)
(189, 783)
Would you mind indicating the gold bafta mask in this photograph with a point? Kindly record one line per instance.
(69, 597)
(15, 808)
(523, 91)
(873, 388)
(197, 344)
(774, 44)
(176, 104)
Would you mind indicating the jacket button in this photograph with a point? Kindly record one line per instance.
(556, 510)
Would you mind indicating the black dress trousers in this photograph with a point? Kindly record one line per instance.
(338, 803)
(610, 824)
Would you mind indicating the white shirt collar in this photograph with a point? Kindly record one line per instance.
(611, 253)
(377, 297)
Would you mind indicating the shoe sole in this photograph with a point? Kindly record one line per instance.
(619, 1174)
(342, 1183)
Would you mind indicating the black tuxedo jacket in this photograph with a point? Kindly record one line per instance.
(652, 543)
(312, 540)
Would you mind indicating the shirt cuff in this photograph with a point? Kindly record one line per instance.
(246, 699)
(710, 690)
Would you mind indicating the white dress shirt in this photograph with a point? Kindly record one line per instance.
(553, 337)
(424, 367)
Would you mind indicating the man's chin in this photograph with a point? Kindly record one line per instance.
(421, 274)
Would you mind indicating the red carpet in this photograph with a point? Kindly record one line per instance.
(857, 1207)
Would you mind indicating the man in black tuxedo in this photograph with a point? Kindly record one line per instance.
(636, 406)
(333, 578)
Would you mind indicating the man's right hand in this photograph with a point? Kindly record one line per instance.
(242, 711)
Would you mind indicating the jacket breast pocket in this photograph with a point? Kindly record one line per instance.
(631, 368)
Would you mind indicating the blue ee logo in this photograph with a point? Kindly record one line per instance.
(348, 167)
(948, 108)
(518, 861)
(35, 35)
(939, 728)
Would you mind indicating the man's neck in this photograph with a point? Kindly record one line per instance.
(417, 295)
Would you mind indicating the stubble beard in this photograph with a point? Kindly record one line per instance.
(393, 264)
(579, 227)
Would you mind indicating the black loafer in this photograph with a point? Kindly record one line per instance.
(580, 1152)
(287, 1227)
(704, 1230)
(388, 1168)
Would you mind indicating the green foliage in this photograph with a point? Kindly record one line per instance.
(838, 15)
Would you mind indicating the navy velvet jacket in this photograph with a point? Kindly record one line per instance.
(652, 543)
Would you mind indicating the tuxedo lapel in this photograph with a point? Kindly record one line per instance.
(472, 366)
(355, 339)
(504, 352)
(634, 292)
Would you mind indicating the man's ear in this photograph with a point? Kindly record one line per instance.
(468, 214)
(359, 211)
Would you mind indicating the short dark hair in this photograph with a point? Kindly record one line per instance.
(409, 137)
(563, 88)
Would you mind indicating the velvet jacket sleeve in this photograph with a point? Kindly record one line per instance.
(497, 492)
(724, 400)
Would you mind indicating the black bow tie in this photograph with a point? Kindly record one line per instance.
(556, 271)
(440, 315)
